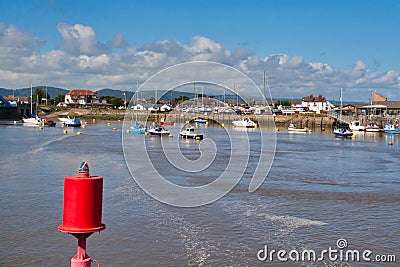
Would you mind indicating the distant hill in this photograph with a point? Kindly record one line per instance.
(114, 93)
(162, 94)
(52, 91)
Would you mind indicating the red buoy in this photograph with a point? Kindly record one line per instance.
(83, 203)
(83, 198)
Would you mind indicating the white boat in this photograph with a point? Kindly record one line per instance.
(245, 122)
(33, 121)
(70, 122)
(372, 127)
(191, 133)
(159, 131)
(293, 128)
(356, 126)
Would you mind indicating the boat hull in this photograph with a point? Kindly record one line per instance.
(200, 121)
(138, 131)
(138, 128)
(191, 136)
(243, 124)
(159, 133)
(298, 130)
(391, 129)
(372, 130)
(343, 135)
(70, 122)
(32, 121)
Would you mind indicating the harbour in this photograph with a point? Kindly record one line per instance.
(319, 189)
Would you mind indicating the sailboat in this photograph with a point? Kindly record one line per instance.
(33, 120)
(342, 130)
(138, 128)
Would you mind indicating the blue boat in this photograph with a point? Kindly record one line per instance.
(392, 128)
(200, 121)
(343, 131)
(138, 128)
(70, 122)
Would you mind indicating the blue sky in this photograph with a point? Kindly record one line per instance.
(340, 36)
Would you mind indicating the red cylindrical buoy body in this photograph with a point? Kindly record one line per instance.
(83, 197)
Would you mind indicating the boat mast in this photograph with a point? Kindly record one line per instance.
(202, 96)
(137, 87)
(31, 100)
(265, 98)
(341, 103)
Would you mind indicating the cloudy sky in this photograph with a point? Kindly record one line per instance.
(305, 47)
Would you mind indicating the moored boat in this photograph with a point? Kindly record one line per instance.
(372, 127)
(356, 126)
(293, 128)
(191, 133)
(138, 128)
(392, 128)
(163, 121)
(200, 121)
(244, 122)
(70, 122)
(159, 131)
(343, 131)
(49, 123)
(34, 120)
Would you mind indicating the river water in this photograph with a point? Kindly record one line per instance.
(319, 189)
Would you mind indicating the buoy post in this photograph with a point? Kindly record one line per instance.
(82, 212)
(81, 258)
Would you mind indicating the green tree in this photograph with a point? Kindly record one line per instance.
(285, 103)
(180, 99)
(58, 99)
(115, 101)
(40, 95)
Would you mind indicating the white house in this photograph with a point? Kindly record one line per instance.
(138, 107)
(81, 97)
(317, 104)
(165, 107)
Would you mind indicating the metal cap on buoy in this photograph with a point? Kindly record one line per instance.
(83, 197)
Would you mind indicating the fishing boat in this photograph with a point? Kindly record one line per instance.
(190, 133)
(200, 121)
(70, 122)
(392, 128)
(356, 126)
(244, 122)
(159, 131)
(138, 128)
(372, 127)
(293, 128)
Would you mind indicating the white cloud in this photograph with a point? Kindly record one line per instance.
(84, 62)
(118, 41)
(79, 38)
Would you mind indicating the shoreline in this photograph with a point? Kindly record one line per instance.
(310, 121)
